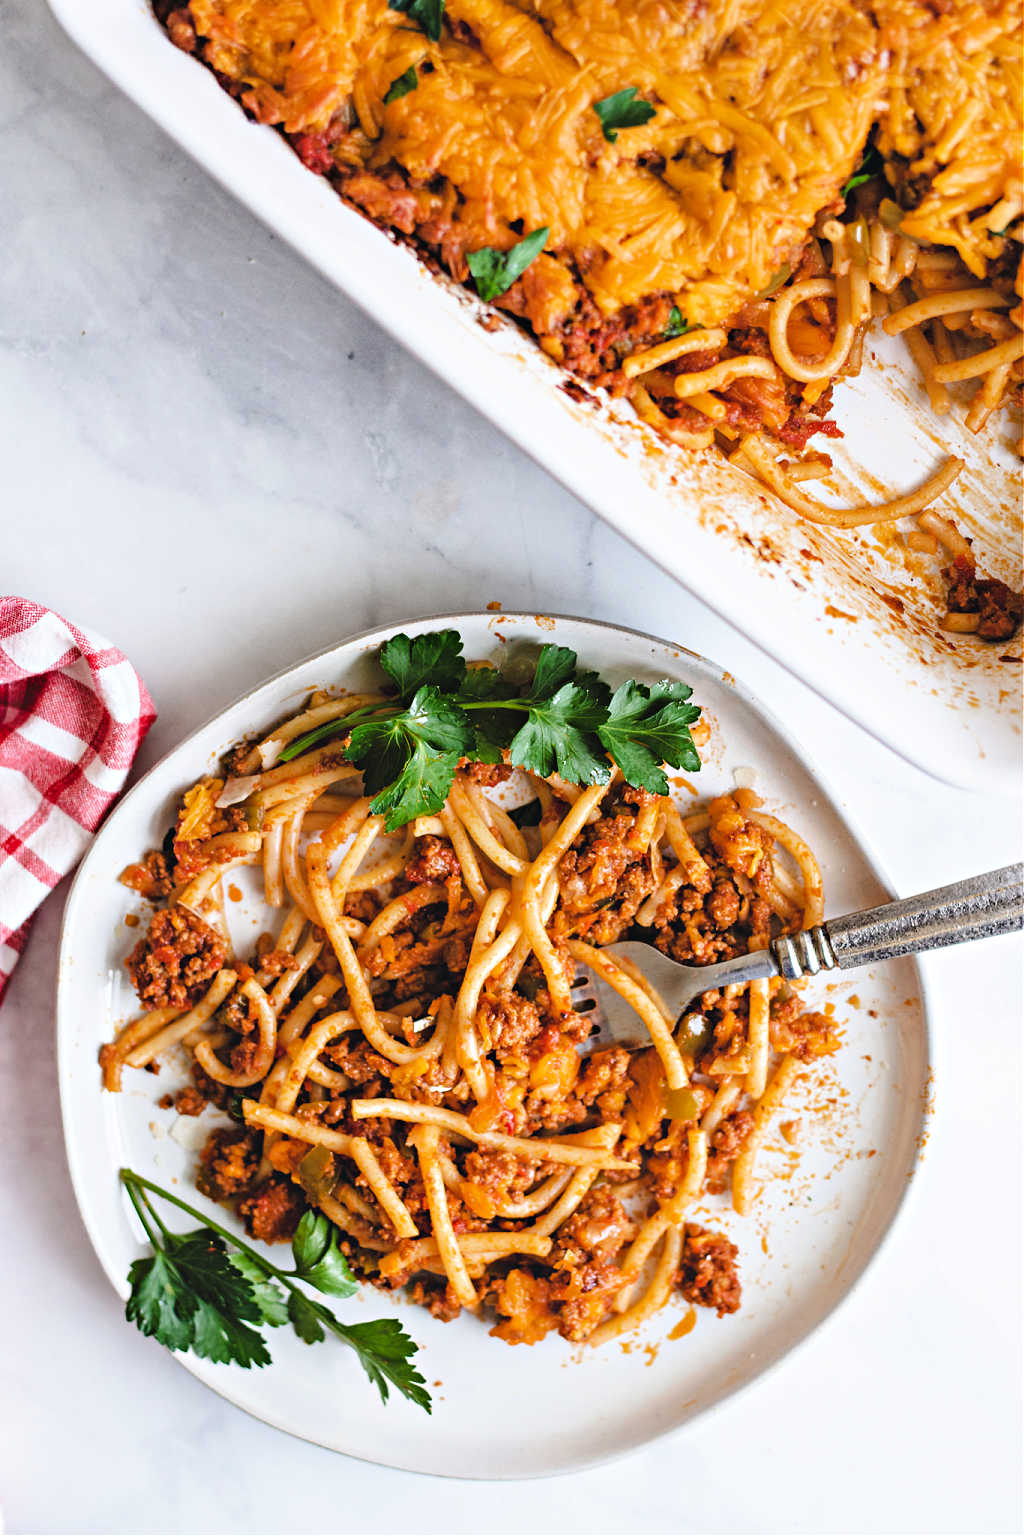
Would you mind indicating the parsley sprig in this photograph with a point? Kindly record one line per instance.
(210, 1292)
(562, 719)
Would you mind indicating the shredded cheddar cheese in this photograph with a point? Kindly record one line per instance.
(953, 116)
(761, 113)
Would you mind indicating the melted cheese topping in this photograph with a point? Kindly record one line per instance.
(954, 113)
(761, 114)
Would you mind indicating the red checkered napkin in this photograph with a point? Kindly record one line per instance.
(73, 712)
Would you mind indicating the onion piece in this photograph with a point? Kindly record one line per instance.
(236, 790)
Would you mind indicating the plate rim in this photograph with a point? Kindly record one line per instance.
(64, 1032)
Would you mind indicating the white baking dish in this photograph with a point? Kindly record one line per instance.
(846, 612)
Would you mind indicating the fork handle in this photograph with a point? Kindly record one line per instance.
(977, 908)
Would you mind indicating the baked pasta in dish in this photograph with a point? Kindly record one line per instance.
(700, 205)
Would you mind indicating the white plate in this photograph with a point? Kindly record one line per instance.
(519, 1412)
(851, 614)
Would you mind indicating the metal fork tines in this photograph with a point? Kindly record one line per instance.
(585, 1001)
(680, 987)
(983, 906)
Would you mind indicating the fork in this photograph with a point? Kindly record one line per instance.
(977, 908)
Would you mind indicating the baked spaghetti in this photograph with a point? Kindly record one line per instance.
(402, 1050)
(700, 206)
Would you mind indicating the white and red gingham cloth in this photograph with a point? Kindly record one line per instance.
(73, 712)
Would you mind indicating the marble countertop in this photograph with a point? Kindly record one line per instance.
(216, 461)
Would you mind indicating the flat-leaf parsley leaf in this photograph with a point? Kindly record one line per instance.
(623, 109)
(407, 81)
(494, 272)
(648, 726)
(870, 167)
(427, 13)
(434, 658)
(409, 760)
(559, 737)
(318, 1259)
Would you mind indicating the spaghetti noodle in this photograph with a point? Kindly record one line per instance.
(717, 260)
(406, 1056)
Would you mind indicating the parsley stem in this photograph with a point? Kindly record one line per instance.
(333, 728)
(368, 712)
(133, 1181)
(151, 1208)
(142, 1205)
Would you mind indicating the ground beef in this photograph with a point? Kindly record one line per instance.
(387, 198)
(998, 607)
(181, 30)
(590, 871)
(189, 1101)
(487, 775)
(274, 962)
(719, 911)
(599, 1089)
(435, 862)
(212, 1092)
(694, 362)
(803, 1035)
(758, 923)
(723, 904)
(592, 345)
(238, 1014)
(745, 847)
(489, 1176)
(272, 1212)
(690, 934)
(707, 1273)
(605, 877)
(438, 1298)
(314, 150)
(153, 878)
(751, 340)
(726, 1144)
(425, 957)
(353, 1054)
(615, 919)
(228, 1163)
(599, 1225)
(508, 1022)
(173, 965)
(243, 1055)
(402, 1170)
(362, 905)
(584, 1278)
(402, 952)
(603, 1082)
